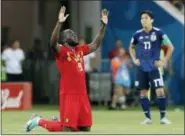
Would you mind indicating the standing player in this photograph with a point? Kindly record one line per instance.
(75, 111)
(145, 51)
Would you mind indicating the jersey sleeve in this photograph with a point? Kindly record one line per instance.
(134, 39)
(164, 38)
(84, 49)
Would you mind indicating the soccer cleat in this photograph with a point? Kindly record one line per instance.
(165, 121)
(147, 121)
(32, 123)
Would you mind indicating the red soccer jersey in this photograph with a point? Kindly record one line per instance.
(71, 66)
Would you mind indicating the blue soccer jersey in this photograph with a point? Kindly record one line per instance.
(148, 46)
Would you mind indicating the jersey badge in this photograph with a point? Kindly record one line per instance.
(153, 37)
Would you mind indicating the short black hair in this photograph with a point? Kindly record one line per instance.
(149, 13)
(67, 34)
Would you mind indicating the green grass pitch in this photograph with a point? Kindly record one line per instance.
(104, 121)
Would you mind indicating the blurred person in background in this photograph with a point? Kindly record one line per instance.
(145, 49)
(87, 63)
(13, 57)
(36, 53)
(114, 51)
(121, 78)
(75, 110)
(112, 54)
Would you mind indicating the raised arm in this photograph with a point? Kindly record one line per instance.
(56, 32)
(97, 40)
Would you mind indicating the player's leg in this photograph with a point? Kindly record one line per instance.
(158, 85)
(52, 125)
(85, 115)
(68, 116)
(36, 121)
(142, 85)
(69, 111)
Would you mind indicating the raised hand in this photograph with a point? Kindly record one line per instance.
(104, 16)
(61, 16)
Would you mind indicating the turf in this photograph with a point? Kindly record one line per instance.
(104, 121)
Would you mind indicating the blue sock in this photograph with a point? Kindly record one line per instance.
(145, 105)
(161, 101)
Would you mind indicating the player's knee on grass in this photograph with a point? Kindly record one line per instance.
(86, 129)
(68, 129)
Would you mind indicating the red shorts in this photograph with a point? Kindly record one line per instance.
(75, 111)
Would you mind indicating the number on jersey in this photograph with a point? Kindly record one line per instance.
(147, 45)
(80, 66)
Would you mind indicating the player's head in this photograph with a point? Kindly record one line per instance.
(15, 44)
(147, 18)
(69, 37)
(118, 44)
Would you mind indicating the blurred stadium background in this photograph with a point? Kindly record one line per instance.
(32, 22)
